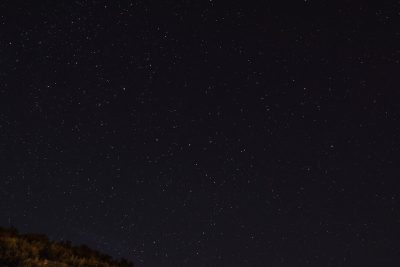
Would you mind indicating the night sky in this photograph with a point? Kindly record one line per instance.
(204, 133)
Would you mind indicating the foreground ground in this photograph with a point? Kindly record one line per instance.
(32, 250)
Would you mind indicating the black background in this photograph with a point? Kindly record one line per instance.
(204, 133)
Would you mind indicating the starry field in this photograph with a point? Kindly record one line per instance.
(204, 133)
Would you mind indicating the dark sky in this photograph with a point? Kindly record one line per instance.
(204, 133)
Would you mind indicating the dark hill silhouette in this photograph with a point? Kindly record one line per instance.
(35, 250)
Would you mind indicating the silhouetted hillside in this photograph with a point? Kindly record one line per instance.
(33, 250)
